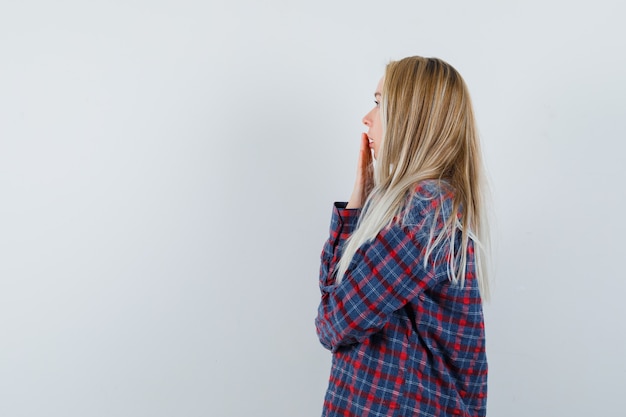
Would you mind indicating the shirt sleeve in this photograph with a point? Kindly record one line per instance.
(343, 222)
(384, 275)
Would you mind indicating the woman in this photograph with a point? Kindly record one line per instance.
(401, 273)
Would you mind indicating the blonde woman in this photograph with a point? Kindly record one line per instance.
(402, 275)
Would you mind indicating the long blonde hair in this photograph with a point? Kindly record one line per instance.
(429, 134)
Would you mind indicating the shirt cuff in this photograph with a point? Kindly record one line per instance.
(344, 220)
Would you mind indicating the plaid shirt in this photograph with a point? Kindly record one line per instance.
(405, 340)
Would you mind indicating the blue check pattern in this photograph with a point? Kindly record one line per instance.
(405, 340)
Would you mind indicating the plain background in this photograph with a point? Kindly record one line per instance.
(167, 170)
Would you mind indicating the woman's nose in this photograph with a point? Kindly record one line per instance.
(367, 120)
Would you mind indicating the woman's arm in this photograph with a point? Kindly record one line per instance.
(384, 275)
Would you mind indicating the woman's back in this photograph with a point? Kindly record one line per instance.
(404, 337)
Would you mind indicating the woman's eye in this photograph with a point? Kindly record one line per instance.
(377, 103)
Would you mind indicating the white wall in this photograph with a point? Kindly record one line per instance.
(167, 170)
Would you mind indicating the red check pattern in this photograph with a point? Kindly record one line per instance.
(405, 340)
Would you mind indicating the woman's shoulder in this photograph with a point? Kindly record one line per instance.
(433, 186)
(430, 194)
(429, 197)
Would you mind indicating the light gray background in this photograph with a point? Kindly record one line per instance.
(167, 170)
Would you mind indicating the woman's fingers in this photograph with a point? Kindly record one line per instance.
(363, 175)
(365, 149)
(366, 156)
(366, 168)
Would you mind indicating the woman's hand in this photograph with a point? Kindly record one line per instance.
(364, 182)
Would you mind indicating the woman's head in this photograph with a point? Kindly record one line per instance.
(427, 120)
(424, 129)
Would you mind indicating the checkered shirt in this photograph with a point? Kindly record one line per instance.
(405, 341)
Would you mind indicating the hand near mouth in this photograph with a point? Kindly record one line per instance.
(364, 182)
